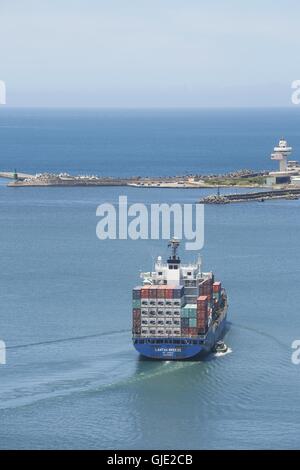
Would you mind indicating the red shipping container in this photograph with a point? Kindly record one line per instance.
(205, 287)
(160, 292)
(152, 292)
(217, 287)
(169, 291)
(207, 292)
(202, 312)
(208, 295)
(169, 294)
(202, 303)
(137, 321)
(193, 331)
(145, 292)
(184, 331)
(136, 313)
(202, 317)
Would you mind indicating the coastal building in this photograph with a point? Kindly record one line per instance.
(287, 168)
(281, 154)
(295, 180)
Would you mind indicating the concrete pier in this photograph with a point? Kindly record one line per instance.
(11, 175)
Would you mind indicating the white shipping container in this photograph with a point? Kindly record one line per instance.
(178, 302)
(145, 332)
(160, 332)
(176, 332)
(168, 312)
(144, 302)
(152, 312)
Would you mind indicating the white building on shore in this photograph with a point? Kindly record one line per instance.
(287, 168)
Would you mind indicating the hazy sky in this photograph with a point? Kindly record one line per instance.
(149, 53)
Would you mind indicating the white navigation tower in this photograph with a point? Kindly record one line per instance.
(281, 154)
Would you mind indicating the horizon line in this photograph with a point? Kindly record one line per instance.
(291, 106)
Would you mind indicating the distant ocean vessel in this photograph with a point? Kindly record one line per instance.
(179, 311)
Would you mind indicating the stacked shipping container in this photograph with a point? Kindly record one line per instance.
(189, 320)
(156, 310)
(217, 287)
(136, 310)
(202, 314)
(206, 288)
(164, 310)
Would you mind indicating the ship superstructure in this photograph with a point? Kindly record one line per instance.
(179, 310)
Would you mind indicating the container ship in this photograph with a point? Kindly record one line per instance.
(179, 311)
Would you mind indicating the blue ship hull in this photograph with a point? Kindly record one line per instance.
(167, 350)
(179, 348)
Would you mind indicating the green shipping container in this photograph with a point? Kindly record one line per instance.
(192, 322)
(184, 313)
(136, 303)
(189, 311)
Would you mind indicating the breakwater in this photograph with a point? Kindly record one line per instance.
(242, 178)
(260, 196)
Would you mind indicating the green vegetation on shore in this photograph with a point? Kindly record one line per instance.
(254, 180)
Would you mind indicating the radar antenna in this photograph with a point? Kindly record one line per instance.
(174, 244)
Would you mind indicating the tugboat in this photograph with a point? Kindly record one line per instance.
(220, 347)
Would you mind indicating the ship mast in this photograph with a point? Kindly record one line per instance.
(174, 244)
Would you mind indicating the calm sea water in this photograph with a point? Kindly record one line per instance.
(73, 379)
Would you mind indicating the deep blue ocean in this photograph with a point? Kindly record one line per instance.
(72, 378)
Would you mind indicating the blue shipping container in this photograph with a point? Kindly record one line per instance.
(136, 293)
